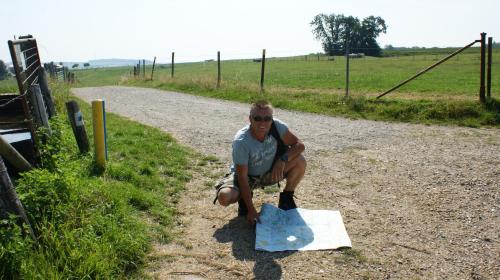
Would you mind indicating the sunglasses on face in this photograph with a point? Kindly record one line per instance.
(262, 118)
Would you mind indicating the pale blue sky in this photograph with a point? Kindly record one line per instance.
(196, 30)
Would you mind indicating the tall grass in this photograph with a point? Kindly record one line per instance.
(8, 86)
(94, 225)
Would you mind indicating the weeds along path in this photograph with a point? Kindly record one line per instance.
(417, 201)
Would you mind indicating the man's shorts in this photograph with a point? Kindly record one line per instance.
(230, 180)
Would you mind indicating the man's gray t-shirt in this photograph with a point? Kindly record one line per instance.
(258, 156)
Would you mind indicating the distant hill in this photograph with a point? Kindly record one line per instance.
(115, 62)
(99, 63)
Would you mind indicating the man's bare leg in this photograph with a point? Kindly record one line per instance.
(295, 171)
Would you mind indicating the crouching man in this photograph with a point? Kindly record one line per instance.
(264, 153)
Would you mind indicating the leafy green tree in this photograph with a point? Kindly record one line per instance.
(3, 71)
(86, 64)
(335, 30)
(75, 65)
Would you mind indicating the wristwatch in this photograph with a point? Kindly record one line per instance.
(284, 157)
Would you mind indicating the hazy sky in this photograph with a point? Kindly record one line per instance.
(196, 30)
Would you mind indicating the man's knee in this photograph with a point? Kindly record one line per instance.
(300, 164)
(227, 196)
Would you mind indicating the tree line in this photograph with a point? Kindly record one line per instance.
(4, 72)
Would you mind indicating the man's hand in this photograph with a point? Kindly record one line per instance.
(278, 169)
(252, 216)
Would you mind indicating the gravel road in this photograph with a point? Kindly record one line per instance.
(418, 201)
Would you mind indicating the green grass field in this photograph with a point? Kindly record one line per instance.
(448, 94)
(457, 78)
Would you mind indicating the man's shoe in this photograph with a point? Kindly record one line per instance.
(286, 201)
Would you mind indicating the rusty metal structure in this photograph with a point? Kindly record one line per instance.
(17, 125)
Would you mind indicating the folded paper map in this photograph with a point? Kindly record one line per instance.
(300, 229)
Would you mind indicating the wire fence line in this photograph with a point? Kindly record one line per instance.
(313, 70)
(306, 55)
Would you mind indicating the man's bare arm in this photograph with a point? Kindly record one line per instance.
(296, 146)
(245, 193)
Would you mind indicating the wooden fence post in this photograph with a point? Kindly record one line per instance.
(172, 74)
(218, 69)
(76, 119)
(9, 199)
(153, 70)
(144, 68)
(488, 75)
(482, 97)
(347, 69)
(47, 95)
(13, 156)
(262, 69)
(40, 113)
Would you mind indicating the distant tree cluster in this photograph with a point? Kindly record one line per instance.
(76, 65)
(3, 71)
(335, 30)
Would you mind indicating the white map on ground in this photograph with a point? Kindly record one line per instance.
(300, 229)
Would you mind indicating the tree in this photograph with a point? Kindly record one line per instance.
(389, 47)
(335, 30)
(86, 64)
(3, 71)
(75, 65)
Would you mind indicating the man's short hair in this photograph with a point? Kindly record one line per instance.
(259, 105)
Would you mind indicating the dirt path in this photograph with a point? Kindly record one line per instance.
(417, 201)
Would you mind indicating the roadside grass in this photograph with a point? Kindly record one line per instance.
(358, 106)
(93, 225)
(445, 95)
(8, 86)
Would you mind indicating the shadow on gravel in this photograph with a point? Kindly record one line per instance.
(242, 235)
